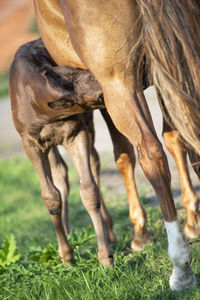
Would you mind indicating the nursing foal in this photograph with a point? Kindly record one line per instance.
(46, 100)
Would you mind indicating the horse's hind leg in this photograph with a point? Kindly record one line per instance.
(125, 160)
(95, 167)
(189, 198)
(59, 172)
(89, 190)
(50, 195)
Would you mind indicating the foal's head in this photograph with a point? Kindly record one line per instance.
(79, 87)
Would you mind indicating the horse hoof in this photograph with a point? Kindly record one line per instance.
(66, 256)
(192, 232)
(186, 281)
(66, 260)
(107, 262)
(138, 244)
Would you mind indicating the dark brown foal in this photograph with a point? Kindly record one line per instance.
(45, 99)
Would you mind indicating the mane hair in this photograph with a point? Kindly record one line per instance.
(171, 38)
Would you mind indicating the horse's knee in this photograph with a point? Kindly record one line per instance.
(52, 201)
(153, 160)
(151, 150)
(90, 196)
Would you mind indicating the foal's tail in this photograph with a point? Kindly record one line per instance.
(172, 46)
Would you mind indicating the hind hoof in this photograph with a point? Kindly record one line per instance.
(138, 244)
(66, 256)
(107, 262)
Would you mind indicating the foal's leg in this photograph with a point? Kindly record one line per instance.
(189, 198)
(125, 160)
(59, 172)
(89, 191)
(50, 195)
(95, 167)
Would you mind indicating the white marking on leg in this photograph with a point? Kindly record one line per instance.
(181, 256)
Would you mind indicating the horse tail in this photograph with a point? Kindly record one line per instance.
(172, 47)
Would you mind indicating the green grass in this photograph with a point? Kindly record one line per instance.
(34, 27)
(39, 274)
(3, 84)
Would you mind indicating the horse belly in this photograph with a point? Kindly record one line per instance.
(54, 34)
(103, 33)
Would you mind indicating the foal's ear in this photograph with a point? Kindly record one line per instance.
(61, 103)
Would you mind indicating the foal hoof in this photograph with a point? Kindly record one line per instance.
(186, 281)
(107, 262)
(66, 256)
(192, 232)
(66, 260)
(139, 243)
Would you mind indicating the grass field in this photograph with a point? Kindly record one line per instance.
(3, 84)
(36, 271)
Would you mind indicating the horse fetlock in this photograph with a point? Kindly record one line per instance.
(141, 239)
(180, 252)
(190, 201)
(181, 256)
(106, 259)
(182, 278)
(66, 255)
(192, 231)
(192, 228)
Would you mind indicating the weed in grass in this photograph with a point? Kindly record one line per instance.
(8, 253)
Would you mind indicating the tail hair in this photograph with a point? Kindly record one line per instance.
(172, 46)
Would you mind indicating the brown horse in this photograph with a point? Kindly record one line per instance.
(107, 39)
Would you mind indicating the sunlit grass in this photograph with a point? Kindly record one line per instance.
(39, 274)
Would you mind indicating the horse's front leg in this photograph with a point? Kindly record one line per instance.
(79, 150)
(136, 124)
